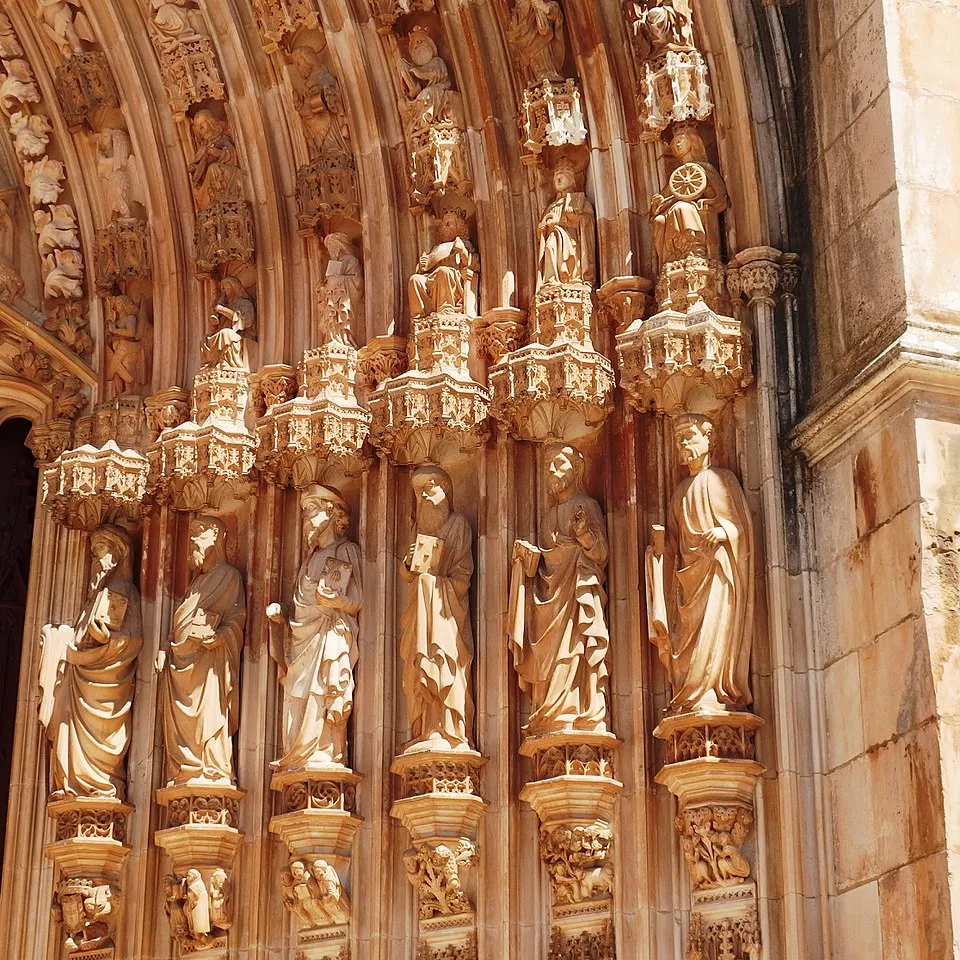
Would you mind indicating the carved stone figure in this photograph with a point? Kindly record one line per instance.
(113, 167)
(686, 217)
(320, 104)
(705, 644)
(199, 695)
(88, 676)
(711, 838)
(88, 911)
(436, 639)
(56, 228)
(64, 274)
(558, 631)
(434, 871)
(314, 896)
(18, 85)
(536, 33)
(232, 322)
(125, 361)
(45, 179)
(200, 912)
(566, 233)
(577, 859)
(659, 25)
(318, 648)
(31, 134)
(426, 80)
(171, 21)
(446, 276)
(341, 295)
(215, 170)
(65, 26)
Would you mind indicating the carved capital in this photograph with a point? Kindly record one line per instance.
(500, 331)
(382, 359)
(759, 273)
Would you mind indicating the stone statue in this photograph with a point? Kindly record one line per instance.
(686, 217)
(65, 26)
(45, 179)
(88, 676)
(172, 26)
(436, 639)
(341, 295)
(445, 281)
(706, 647)
(125, 357)
(660, 25)
(558, 632)
(536, 33)
(113, 168)
(199, 911)
(320, 104)
(232, 322)
(88, 911)
(215, 170)
(317, 650)
(56, 228)
(566, 233)
(199, 695)
(315, 896)
(426, 81)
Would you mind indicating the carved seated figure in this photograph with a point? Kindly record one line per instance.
(446, 277)
(231, 323)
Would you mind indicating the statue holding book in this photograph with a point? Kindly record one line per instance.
(88, 676)
(436, 639)
(557, 626)
(199, 676)
(315, 641)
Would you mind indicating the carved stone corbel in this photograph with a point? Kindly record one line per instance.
(278, 19)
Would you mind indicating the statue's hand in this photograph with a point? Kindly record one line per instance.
(274, 612)
(98, 631)
(408, 559)
(578, 525)
(714, 537)
(161, 661)
(422, 264)
(330, 599)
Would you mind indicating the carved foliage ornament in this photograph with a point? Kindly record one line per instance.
(576, 858)
(434, 871)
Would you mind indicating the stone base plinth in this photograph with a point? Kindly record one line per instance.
(664, 357)
(330, 943)
(448, 938)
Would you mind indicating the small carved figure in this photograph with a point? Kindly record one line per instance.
(215, 170)
(172, 25)
(197, 904)
(174, 905)
(659, 25)
(199, 695)
(317, 648)
(64, 275)
(566, 232)
(56, 228)
(45, 179)
(125, 362)
(88, 676)
(426, 80)
(219, 891)
(434, 872)
(88, 911)
(560, 654)
(705, 646)
(64, 26)
(686, 217)
(315, 896)
(436, 639)
(536, 33)
(113, 167)
(31, 134)
(232, 323)
(18, 86)
(320, 104)
(446, 276)
(341, 294)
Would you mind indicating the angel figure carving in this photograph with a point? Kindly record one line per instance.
(700, 581)
(113, 168)
(65, 26)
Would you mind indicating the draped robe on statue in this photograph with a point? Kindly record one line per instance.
(711, 643)
(566, 240)
(559, 636)
(436, 641)
(199, 695)
(321, 653)
(89, 727)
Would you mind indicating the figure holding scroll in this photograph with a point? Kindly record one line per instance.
(88, 676)
(316, 641)
(199, 695)
(436, 641)
(558, 632)
(701, 615)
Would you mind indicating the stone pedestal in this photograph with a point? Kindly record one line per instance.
(317, 822)
(557, 387)
(440, 808)
(209, 460)
(712, 771)
(105, 473)
(435, 410)
(325, 422)
(573, 792)
(201, 835)
(89, 851)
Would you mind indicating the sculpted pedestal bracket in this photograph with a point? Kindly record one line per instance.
(712, 772)
(573, 793)
(317, 823)
(200, 834)
(325, 422)
(89, 851)
(440, 808)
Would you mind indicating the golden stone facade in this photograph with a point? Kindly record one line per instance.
(496, 485)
